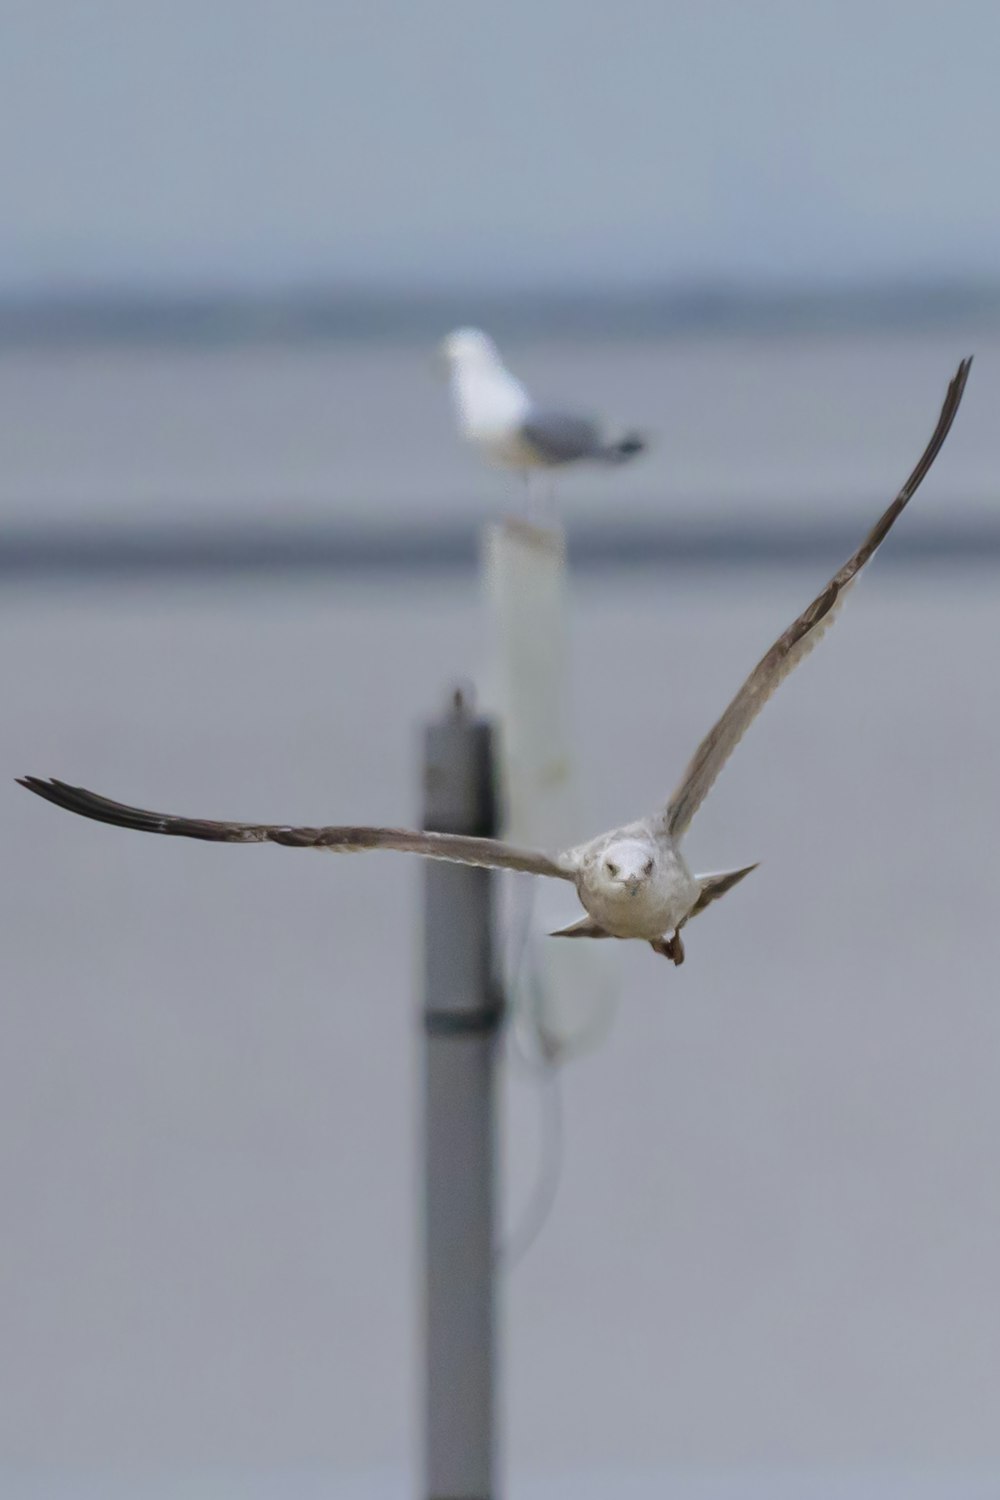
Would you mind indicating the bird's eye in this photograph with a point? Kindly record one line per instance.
(647, 868)
(612, 869)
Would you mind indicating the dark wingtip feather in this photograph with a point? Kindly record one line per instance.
(41, 785)
(77, 799)
(52, 790)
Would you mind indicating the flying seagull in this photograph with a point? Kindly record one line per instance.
(496, 413)
(632, 882)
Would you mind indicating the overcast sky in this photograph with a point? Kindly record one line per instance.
(428, 142)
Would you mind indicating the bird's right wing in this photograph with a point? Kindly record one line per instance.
(800, 637)
(491, 853)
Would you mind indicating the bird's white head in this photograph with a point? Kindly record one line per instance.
(469, 348)
(627, 865)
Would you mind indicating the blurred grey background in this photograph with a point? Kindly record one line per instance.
(248, 143)
(232, 234)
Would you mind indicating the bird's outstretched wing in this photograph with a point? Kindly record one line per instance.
(800, 637)
(491, 853)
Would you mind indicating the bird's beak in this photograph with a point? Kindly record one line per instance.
(632, 886)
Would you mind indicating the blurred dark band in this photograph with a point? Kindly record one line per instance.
(453, 547)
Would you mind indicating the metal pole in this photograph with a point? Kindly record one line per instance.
(462, 1015)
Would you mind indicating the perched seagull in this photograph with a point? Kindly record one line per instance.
(633, 882)
(496, 413)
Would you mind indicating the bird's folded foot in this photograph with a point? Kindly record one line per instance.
(671, 948)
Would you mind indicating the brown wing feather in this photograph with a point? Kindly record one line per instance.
(491, 853)
(800, 637)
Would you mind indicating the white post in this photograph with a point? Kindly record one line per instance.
(564, 993)
(462, 1016)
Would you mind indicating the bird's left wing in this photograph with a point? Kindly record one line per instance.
(491, 853)
(800, 637)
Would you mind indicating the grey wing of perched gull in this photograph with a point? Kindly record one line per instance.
(560, 438)
(492, 853)
(799, 639)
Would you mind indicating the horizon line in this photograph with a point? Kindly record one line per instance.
(42, 552)
(342, 310)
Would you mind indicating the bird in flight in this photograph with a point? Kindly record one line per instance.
(632, 882)
(496, 413)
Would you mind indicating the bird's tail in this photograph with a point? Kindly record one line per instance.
(622, 449)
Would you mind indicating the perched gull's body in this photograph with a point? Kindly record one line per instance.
(632, 882)
(496, 413)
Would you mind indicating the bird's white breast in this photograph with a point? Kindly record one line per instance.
(491, 405)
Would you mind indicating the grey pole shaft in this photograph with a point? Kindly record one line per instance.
(462, 1016)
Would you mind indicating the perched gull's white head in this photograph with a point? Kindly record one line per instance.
(470, 347)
